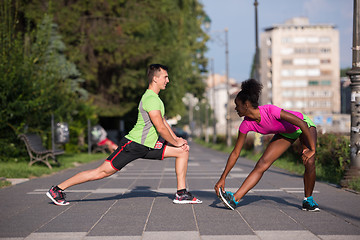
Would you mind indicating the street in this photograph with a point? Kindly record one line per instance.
(136, 203)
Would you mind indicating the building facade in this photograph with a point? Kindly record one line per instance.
(216, 93)
(299, 67)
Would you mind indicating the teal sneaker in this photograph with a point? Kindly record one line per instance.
(310, 205)
(228, 199)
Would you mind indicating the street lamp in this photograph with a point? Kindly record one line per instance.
(354, 74)
(257, 64)
(258, 137)
(228, 119)
(213, 101)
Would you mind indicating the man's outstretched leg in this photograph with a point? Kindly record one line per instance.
(182, 196)
(56, 193)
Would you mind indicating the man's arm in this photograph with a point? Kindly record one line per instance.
(169, 128)
(164, 129)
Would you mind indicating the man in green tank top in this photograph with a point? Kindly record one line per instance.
(142, 142)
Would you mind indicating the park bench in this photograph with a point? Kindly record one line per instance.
(36, 150)
(96, 148)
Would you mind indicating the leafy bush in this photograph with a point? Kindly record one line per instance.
(333, 154)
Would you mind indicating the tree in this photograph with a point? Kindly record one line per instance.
(113, 41)
(36, 80)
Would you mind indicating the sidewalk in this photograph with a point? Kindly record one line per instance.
(136, 203)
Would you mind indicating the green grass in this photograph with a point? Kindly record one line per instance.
(4, 183)
(23, 170)
(355, 184)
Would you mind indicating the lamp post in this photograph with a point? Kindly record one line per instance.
(257, 64)
(213, 101)
(228, 120)
(258, 137)
(354, 75)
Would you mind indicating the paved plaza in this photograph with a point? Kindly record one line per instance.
(136, 203)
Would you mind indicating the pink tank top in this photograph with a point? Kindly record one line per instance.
(270, 122)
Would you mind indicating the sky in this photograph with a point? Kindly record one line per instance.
(239, 17)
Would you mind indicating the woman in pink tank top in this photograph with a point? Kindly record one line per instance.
(287, 126)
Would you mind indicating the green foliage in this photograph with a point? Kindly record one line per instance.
(13, 99)
(4, 183)
(343, 72)
(355, 184)
(333, 154)
(36, 81)
(112, 42)
(56, 53)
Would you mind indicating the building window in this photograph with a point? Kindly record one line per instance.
(268, 41)
(286, 73)
(286, 40)
(313, 72)
(325, 39)
(286, 61)
(313, 61)
(300, 72)
(301, 83)
(300, 93)
(287, 51)
(313, 50)
(326, 72)
(328, 93)
(299, 39)
(287, 83)
(269, 74)
(313, 83)
(299, 61)
(326, 82)
(288, 104)
(325, 61)
(325, 50)
(287, 93)
(300, 50)
(300, 104)
(312, 39)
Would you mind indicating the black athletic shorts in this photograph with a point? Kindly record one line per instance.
(129, 151)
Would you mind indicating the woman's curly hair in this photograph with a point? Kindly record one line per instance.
(250, 90)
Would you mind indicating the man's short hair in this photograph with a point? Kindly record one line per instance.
(153, 69)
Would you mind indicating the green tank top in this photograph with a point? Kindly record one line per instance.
(144, 132)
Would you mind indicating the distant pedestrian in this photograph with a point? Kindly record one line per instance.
(287, 127)
(99, 134)
(141, 142)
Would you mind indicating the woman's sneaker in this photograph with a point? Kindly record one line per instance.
(57, 196)
(185, 197)
(310, 205)
(228, 199)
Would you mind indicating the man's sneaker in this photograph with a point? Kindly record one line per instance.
(228, 199)
(186, 197)
(57, 196)
(310, 205)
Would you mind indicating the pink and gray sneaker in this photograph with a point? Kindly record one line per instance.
(185, 197)
(57, 196)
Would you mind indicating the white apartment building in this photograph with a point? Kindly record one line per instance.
(299, 67)
(216, 93)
